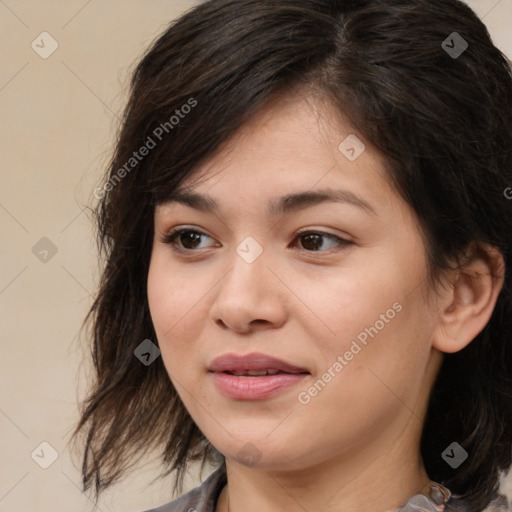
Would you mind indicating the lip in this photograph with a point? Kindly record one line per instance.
(249, 387)
(255, 388)
(254, 361)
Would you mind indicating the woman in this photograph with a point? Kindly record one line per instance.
(306, 230)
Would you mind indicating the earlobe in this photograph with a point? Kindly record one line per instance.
(468, 303)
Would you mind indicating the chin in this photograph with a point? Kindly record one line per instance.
(260, 454)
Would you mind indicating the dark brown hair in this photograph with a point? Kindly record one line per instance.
(444, 125)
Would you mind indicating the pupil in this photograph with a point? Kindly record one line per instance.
(315, 246)
(191, 237)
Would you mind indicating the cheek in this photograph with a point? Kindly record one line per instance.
(385, 360)
(161, 294)
(172, 297)
(353, 302)
(378, 320)
(173, 306)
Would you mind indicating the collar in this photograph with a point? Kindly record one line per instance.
(432, 498)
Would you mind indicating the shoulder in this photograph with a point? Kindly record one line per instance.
(500, 503)
(199, 499)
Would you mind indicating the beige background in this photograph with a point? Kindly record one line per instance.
(59, 117)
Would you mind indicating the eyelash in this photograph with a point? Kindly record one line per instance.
(170, 239)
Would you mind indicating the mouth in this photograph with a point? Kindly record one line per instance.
(254, 376)
(253, 365)
(260, 373)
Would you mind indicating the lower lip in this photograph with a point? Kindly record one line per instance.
(255, 388)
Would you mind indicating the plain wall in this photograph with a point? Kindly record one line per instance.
(59, 119)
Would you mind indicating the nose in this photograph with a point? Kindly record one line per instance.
(250, 297)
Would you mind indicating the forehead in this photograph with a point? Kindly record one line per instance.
(297, 151)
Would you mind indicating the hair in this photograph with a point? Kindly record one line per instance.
(444, 127)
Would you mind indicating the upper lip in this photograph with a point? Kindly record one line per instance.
(253, 361)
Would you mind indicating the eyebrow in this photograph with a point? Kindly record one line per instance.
(281, 205)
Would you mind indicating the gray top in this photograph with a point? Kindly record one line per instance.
(434, 498)
(202, 498)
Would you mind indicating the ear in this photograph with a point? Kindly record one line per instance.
(468, 302)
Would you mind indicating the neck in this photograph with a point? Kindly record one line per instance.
(375, 480)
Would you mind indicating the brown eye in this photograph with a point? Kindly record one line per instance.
(314, 240)
(184, 239)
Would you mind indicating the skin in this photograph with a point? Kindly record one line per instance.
(355, 445)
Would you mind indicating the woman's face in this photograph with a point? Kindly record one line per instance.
(336, 288)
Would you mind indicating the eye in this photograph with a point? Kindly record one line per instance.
(312, 241)
(184, 239)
